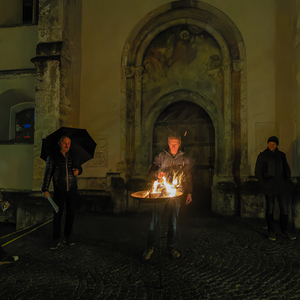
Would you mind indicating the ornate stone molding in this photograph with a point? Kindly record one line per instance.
(139, 70)
(226, 65)
(237, 65)
(130, 71)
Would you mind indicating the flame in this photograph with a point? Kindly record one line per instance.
(162, 187)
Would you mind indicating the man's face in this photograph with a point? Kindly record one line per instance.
(65, 144)
(272, 146)
(174, 145)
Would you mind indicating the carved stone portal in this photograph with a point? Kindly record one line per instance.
(178, 68)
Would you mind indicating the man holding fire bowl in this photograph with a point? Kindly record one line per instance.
(170, 163)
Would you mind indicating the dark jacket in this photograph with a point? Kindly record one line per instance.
(166, 162)
(61, 169)
(273, 172)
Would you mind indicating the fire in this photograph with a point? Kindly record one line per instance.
(163, 188)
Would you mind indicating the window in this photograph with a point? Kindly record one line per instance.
(30, 11)
(24, 124)
(22, 118)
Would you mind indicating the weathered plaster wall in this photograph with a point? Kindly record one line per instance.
(285, 81)
(14, 89)
(267, 30)
(10, 12)
(296, 147)
(16, 167)
(17, 46)
(106, 26)
(297, 88)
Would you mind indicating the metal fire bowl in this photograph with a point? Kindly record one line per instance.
(141, 196)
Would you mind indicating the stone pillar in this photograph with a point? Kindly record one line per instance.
(224, 190)
(116, 186)
(48, 79)
(47, 108)
(224, 198)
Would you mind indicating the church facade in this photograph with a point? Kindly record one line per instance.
(222, 73)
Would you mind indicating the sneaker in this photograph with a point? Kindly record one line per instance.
(8, 259)
(173, 252)
(272, 236)
(69, 242)
(148, 252)
(288, 235)
(54, 244)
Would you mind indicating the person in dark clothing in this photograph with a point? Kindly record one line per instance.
(274, 178)
(165, 163)
(63, 167)
(6, 258)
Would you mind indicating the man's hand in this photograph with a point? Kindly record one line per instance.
(75, 172)
(161, 174)
(188, 199)
(47, 194)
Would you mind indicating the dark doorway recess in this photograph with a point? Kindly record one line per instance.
(198, 141)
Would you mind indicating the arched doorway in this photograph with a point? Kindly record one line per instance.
(172, 51)
(198, 141)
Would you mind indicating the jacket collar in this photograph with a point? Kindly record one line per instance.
(179, 153)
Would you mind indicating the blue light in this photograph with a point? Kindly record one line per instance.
(27, 125)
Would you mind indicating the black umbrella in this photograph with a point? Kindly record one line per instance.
(81, 143)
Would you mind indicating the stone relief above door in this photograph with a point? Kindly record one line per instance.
(182, 57)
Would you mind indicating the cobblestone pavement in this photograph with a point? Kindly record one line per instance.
(222, 258)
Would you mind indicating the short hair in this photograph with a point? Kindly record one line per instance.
(62, 138)
(174, 137)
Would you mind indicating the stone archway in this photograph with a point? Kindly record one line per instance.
(175, 54)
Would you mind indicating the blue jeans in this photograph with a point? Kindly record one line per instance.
(172, 209)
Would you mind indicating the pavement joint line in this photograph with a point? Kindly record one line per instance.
(17, 231)
(26, 232)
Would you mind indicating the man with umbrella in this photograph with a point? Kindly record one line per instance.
(63, 166)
